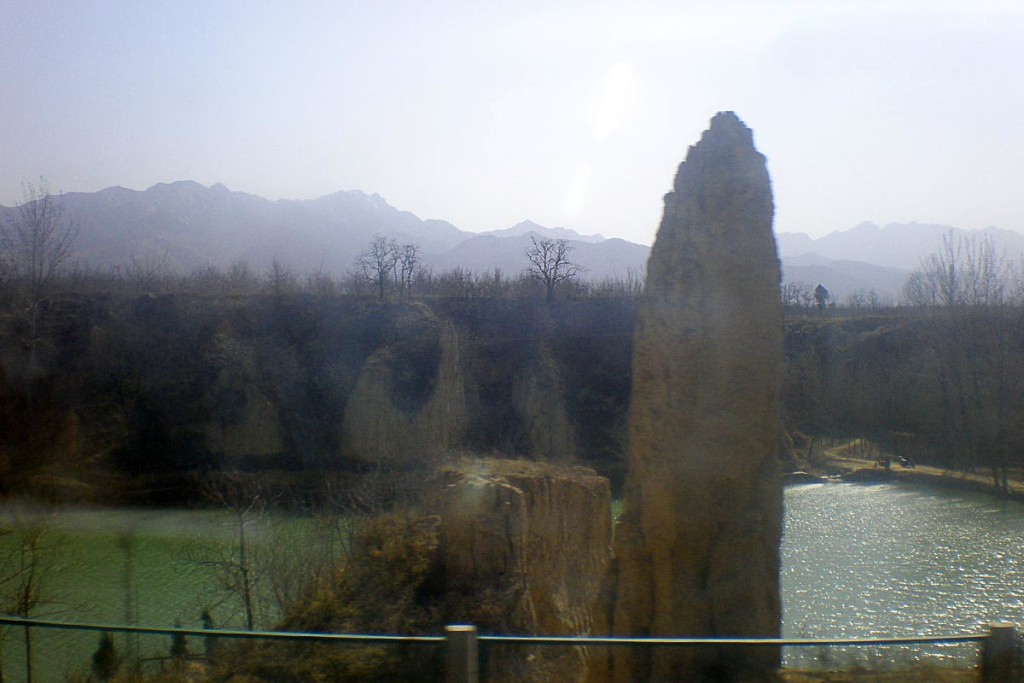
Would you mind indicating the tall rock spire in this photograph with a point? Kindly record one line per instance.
(697, 550)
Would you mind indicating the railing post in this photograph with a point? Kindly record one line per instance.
(1000, 654)
(209, 642)
(461, 660)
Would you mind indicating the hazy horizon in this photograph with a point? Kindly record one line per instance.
(571, 114)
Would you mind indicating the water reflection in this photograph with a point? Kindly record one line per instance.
(886, 560)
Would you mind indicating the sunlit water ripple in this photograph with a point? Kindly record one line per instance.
(889, 561)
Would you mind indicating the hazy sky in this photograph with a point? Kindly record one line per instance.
(488, 113)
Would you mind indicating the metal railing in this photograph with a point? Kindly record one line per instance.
(1000, 648)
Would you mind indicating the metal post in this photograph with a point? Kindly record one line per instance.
(461, 660)
(1000, 656)
(209, 642)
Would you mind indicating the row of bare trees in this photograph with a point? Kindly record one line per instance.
(378, 274)
(242, 279)
(974, 294)
(389, 266)
(966, 271)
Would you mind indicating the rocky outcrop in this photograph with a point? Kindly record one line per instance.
(524, 548)
(514, 547)
(697, 550)
(255, 429)
(242, 420)
(409, 402)
(539, 400)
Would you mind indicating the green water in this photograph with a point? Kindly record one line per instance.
(149, 567)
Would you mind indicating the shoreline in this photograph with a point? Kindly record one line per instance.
(839, 465)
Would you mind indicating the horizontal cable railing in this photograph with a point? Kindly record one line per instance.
(766, 642)
(522, 640)
(216, 633)
(462, 642)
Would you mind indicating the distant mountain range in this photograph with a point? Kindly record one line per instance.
(897, 245)
(189, 226)
(869, 257)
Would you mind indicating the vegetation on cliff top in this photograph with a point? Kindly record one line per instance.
(124, 388)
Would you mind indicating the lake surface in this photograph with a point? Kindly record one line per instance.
(154, 567)
(890, 560)
(858, 561)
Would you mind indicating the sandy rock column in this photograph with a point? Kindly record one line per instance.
(697, 550)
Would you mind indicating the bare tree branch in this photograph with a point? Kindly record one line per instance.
(549, 263)
(965, 271)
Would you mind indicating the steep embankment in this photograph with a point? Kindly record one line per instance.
(135, 394)
(513, 547)
(942, 386)
(125, 392)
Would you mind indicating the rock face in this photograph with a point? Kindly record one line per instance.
(539, 399)
(243, 421)
(255, 431)
(410, 399)
(512, 546)
(697, 550)
(524, 547)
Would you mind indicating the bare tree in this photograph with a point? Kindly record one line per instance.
(987, 273)
(273, 563)
(378, 263)
(920, 289)
(864, 298)
(943, 268)
(150, 273)
(408, 266)
(321, 282)
(281, 279)
(494, 284)
(968, 283)
(455, 282)
(385, 263)
(241, 279)
(36, 242)
(241, 495)
(966, 271)
(635, 279)
(23, 572)
(796, 295)
(549, 263)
